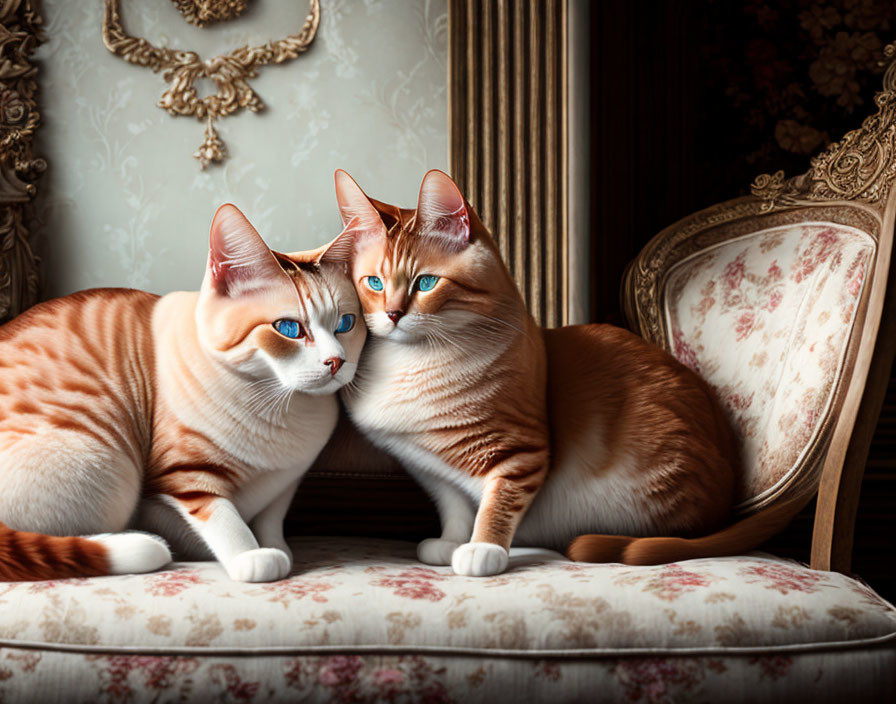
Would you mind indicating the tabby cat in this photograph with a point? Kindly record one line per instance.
(522, 435)
(192, 416)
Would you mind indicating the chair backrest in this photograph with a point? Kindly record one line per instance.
(777, 299)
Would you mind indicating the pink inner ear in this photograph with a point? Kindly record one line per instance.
(354, 203)
(340, 249)
(239, 261)
(361, 219)
(441, 210)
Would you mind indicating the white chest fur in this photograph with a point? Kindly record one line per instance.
(402, 393)
(411, 389)
(289, 442)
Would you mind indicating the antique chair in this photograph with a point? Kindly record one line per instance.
(780, 300)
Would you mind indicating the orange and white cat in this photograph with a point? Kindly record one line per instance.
(524, 436)
(192, 416)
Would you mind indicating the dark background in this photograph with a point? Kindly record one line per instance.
(690, 101)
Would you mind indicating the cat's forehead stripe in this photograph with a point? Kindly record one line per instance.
(302, 290)
(400, 254)
(318, 297)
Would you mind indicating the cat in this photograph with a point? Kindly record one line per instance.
(522, 435)
(192, 416)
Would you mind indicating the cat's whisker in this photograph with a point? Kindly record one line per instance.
(504, 322)
(263, 385)
(283, 402)
(264, 389)
(265, 401)
(262, 394)
(445, 339)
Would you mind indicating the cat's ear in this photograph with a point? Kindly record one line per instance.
(442, 211)
(357, 212)
(341, 249)
(239, 262)
(361, 220)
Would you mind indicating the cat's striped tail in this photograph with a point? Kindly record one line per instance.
(736, 539)
(34, 556)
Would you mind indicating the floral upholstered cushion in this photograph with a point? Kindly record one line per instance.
(766, 319)
(373, 678)
(365, 616)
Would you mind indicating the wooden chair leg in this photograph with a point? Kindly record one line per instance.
(841, 482)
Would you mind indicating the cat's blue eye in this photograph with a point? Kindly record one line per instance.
(289, 328)
(346, 323)
(427, 282)
(375, 283)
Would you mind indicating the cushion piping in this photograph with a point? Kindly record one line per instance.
(571, 653)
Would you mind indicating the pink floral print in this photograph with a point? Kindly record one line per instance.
(765, 319)
(375, 626)
(287, 592)
(233, 684)
(822, 245)
(154, 673)
(782, 578)
(668, 582)
(351, 679)
(172, 583)
(658, 679)
(413, 583)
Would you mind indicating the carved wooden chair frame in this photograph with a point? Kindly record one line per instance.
(850, 184)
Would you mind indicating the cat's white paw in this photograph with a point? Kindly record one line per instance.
(260, 565)
(479, 559)
(284, 548)
(277, 544)
(436, 551)
(134, 553)
(270, 535)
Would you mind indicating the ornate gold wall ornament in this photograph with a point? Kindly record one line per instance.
(230, 73)
(203, 12)
(861, 166)
(20, 34)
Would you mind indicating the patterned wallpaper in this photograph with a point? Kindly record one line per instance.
(125, 204)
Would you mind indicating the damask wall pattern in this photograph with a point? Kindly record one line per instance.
(124, 203)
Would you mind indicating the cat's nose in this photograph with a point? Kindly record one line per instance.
(395, 315)
(334, 363)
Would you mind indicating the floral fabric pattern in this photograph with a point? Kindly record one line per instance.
(362, 593)
(822, 678)
(766, 319)
(361, 620)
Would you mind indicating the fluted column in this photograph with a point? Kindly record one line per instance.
(507, 107)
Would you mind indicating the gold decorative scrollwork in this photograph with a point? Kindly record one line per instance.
(20, 33)
(230, 73)
(643, 305)
(860, 167)
(203, 12)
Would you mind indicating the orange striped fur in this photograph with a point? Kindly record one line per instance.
(459, 384)
(33, 556)
(188, 416)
